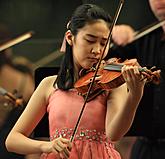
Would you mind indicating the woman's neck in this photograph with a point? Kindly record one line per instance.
(76, 72)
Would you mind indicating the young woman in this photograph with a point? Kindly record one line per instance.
(106, 118)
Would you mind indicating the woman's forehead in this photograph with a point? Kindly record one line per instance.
(97, 28)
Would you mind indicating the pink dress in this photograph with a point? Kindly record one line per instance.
(90, 141)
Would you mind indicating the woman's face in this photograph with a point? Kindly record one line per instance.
(158, 8)
(89, 43)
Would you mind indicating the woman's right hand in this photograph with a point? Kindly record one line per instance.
(61, 146)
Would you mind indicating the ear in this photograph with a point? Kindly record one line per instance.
(69, 37)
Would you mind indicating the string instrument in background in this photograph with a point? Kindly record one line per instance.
(41, 62)
(8, 102)
(109, 77)
(144, 31)
(148, 29)
(16, 40)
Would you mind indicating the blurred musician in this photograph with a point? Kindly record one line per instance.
(16, 77)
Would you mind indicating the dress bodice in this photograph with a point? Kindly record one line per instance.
(90, 141)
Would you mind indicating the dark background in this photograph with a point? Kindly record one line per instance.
(48, 19)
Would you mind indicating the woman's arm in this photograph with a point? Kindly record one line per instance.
(123, 103)
(17, 140)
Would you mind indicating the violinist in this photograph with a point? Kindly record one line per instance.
(11, 74)
(106, 118)
(14, 71)
(149, 51)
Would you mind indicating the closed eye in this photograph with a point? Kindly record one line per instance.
(90, 41)
(103, 44)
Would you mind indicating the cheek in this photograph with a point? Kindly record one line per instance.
(79, 55)
(106, 52)
(83, 51)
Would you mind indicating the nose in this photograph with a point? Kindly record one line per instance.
(97, 49)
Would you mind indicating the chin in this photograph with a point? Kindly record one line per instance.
(87, 66)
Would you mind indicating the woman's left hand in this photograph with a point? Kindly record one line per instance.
(134, 79)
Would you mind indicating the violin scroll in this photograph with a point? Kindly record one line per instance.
(151, 76)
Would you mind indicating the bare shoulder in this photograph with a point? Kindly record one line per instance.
(46, 85)
(49, 80)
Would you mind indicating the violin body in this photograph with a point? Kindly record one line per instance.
(109, 77)
(82, 85)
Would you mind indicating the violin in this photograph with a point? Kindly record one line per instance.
(144, 31)
(109, 77)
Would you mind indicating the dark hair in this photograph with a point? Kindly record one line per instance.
(84, 14)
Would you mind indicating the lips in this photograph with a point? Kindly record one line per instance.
(93, 60)
(160, 6)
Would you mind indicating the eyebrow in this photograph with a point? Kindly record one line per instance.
(93, 36)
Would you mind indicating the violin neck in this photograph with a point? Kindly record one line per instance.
(117, 67)
(113, 67)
